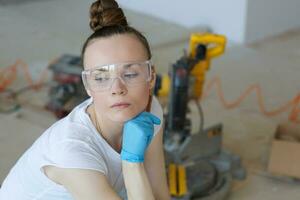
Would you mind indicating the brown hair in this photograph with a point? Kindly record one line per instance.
(107, 19)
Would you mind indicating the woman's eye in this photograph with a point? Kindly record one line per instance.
(131, 75)
(100, 79)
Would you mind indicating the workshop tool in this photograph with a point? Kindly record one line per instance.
(198, 168)
(68, 90)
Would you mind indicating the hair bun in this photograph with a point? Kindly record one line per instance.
(106, 13)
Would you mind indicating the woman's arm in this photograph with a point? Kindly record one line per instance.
(137, 135)
(155, 167)
(82, 184)
(136, 181)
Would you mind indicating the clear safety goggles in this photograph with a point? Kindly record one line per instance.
(102, 77)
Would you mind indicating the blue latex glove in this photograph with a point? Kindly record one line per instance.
(137, 135)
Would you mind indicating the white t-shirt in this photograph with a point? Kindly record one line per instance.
(72, 142)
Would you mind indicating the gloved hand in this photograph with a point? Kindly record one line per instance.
(137, 135)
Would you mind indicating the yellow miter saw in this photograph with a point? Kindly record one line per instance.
(198, 167)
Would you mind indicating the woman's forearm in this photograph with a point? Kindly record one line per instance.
(136, 181)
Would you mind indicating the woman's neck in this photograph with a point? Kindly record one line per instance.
(111, 132)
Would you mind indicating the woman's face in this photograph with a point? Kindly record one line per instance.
(118, 49)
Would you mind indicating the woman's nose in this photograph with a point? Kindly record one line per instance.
(118, 86)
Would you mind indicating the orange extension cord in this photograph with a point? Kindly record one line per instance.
(8, 75)
(294, 103)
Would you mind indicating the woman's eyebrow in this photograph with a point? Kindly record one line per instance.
(131, 65)
(99, 70)
(104, 68)
(128, 65)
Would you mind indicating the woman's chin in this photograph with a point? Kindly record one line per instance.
(123, 116)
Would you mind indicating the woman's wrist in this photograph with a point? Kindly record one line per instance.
(132, 165)
(136, 181)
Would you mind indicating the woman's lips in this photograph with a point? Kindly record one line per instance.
(120, 105)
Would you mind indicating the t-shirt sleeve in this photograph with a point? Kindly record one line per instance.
(76, 154)
(157, 110)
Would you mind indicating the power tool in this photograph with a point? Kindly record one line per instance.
(198, 168)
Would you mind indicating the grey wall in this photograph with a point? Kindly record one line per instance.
(223, 17)
(270, 17)
(8, 2)
(242, 21)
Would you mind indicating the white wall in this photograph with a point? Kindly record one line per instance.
(223, 17)
(242, 21)
(270, 17)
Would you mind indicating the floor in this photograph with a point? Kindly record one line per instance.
(39, 31)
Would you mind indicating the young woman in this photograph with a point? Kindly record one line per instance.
(111, 144)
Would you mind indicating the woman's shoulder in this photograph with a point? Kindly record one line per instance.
(66, 129)
(156, 107)
(74, 125)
